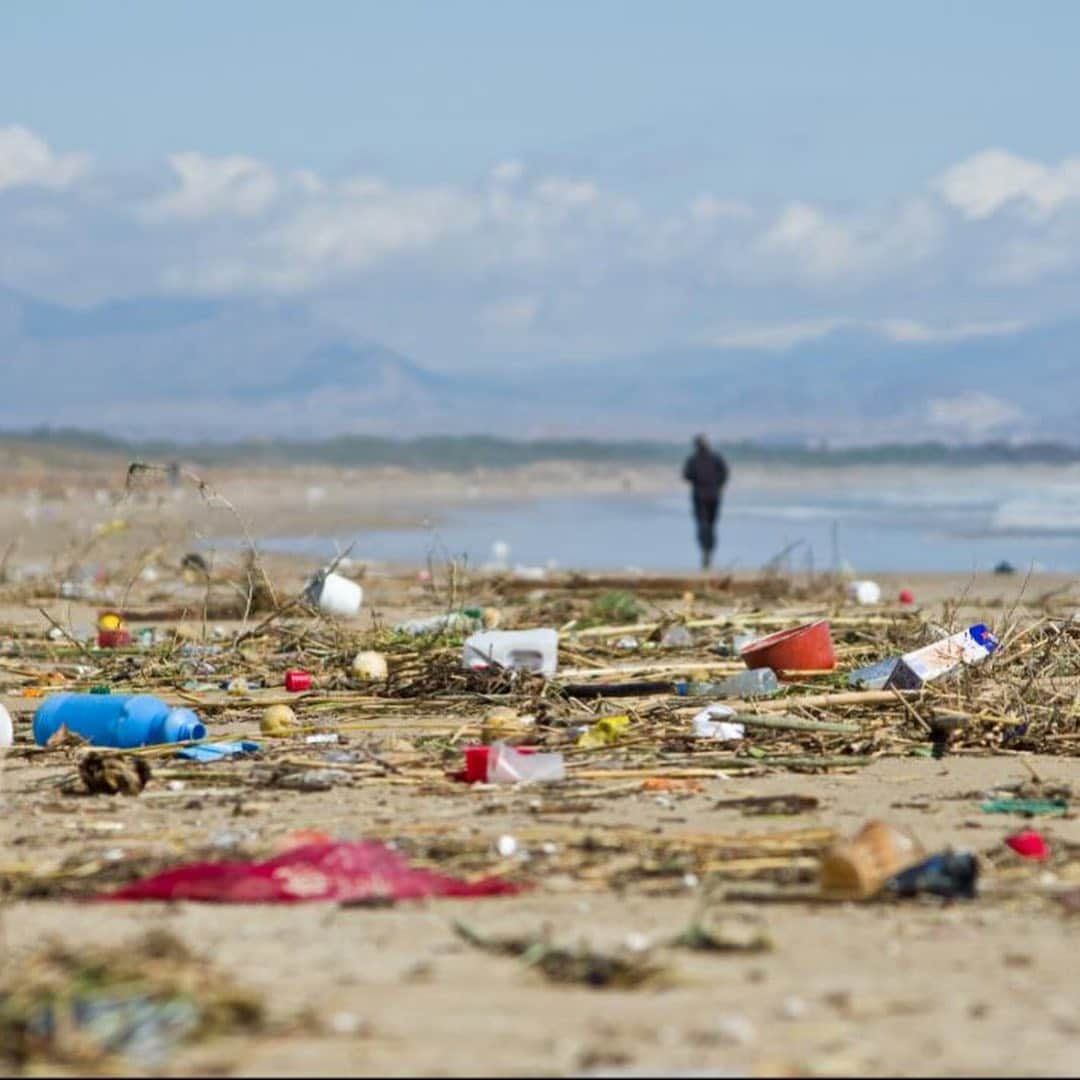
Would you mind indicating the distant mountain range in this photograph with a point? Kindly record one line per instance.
(158, 367)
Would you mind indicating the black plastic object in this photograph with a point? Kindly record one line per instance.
(949, 874)
(622, 689)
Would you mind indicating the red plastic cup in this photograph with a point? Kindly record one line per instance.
(1029, 844)
(806, 648)
(476, 762)
(295, 681)
(113, 639)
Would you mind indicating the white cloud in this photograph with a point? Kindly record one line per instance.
(782, 336)
(775, 338)
(910, 330)
(810, 244)
(985, 183)
(211, 187)
(27, 161)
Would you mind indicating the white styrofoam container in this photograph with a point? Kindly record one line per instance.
(519, 650)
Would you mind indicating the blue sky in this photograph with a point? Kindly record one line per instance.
(549, 179)
(819, 100)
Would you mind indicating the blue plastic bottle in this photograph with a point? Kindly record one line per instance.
(120, 720)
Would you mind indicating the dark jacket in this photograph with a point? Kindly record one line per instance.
(707, 471)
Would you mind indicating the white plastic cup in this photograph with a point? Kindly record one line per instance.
(507, 765)
(339, 596)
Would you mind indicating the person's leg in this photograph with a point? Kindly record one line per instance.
(705, 512)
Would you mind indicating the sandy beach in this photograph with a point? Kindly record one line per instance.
(919, 987)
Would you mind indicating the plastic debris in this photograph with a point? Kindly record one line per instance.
(864, 592)
(370, 665)
(218, 751)
(508, 765)
(1027, 807)
(604, 732)
(1029, 844)
(803, 648)
(860, 867)
(278, 721)
(120, 720)
(7, 729)
(340, 871)
(757, 682)
(464, 621)
(297, 681)
(873, 676)
(949, 874)
(333, 594)
(712, 723)
(921, 666)
(516, 650)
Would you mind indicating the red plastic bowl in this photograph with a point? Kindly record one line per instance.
(806, 648)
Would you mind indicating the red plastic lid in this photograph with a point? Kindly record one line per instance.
(1029, 844)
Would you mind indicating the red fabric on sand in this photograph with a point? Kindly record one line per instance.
(337, 871)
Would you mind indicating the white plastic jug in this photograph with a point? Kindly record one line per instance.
(335, 595)
(520, 650)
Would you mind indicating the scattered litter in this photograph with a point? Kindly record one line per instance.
(297, 681)
(516, 650)
(866, 593)
(333, 594)
(951, 875)
(123, 721)
(804, 648)
(1027, 807)
(758, 682)
(711, 723)
(860, 867)
(1029, 844)
(921, 666)
(605, 732)
(370, 665)
(511, 765)
(348, 873)
(218, 751)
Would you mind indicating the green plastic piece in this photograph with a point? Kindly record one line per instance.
(100, 690)
(1029, 807)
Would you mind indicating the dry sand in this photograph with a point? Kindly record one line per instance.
(917, 989)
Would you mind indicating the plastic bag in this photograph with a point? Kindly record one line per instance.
(344, 872)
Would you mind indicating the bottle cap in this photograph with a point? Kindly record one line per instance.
(182, 725)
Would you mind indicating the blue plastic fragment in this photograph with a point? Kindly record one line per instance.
(217, 751)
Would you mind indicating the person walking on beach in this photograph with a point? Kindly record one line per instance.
(707, 473)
